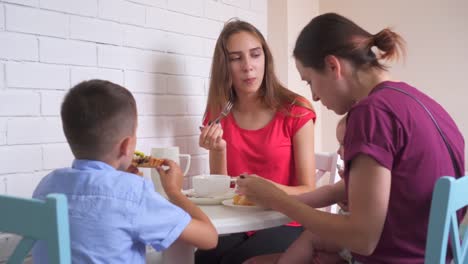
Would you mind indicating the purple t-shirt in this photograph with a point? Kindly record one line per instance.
(397, 132)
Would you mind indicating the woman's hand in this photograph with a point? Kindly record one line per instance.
(172, 178)
(211, 137)
(259, 190)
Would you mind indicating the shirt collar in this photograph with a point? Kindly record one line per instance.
(81, 164)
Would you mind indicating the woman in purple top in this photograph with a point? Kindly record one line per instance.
(394, 152)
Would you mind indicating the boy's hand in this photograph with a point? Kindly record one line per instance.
(172, 178)
(134, 170)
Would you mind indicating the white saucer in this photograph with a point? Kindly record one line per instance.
(230, 203)
(207, 200)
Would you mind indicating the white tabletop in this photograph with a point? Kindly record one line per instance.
(226, 220)
(229, 220)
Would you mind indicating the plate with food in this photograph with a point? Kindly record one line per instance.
(215, 200)
(240, 201)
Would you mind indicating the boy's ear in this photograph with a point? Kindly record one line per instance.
(125, 147)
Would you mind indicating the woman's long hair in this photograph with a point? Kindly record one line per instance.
(272, 93)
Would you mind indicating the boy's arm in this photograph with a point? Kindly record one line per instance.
(200, 232)
(325, 195)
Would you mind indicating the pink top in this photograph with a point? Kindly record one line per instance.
(267, 151)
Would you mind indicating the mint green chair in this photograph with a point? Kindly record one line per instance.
(450, 195)
(37, 220)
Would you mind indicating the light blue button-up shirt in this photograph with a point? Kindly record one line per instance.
(113, 214)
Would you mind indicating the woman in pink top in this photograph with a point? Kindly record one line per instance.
(269, 131)
(394, 151)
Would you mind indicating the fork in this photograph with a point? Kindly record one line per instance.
(227, 108)
(225, 112)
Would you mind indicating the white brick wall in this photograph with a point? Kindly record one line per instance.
(82, 7)
(219, 11)
(80, 74)
(122, 11)
(18, 47)
(19, 158)
(2, 17)
(186, 85)
(193, 7)
(36, 21)
(3, 129)
(24, 2)
(245, 4)
(145, 38)
(183, 44)
(50, 102)
(45, 130)
(19, 103)
(71, 52)
(2, 76)
(57, 156)
(39, 76)
(103, 31)
(159, 49)
(145, 82)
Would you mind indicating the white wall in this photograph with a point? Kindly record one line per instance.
(159, 49)
(436, 32)
(286, 18)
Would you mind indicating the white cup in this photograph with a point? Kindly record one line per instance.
(211, 185)
(171, 153)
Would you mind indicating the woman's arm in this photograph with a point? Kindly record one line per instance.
(304, 161)
(211, 138)
(369, 192)
(218, 162)
(325, 195)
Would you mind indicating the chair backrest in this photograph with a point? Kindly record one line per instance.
(328, 162)
(34, 220)
(450, 195)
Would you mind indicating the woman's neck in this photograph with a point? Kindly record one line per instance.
(249, 103)
(366, 81)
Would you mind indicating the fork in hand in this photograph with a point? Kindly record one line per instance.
(227, 108)
(225, 112)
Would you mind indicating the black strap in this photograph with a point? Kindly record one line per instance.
(449, 148)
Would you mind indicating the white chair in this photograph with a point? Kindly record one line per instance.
(328, 162)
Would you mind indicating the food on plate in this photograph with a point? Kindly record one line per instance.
(239, 199)
(143, 161)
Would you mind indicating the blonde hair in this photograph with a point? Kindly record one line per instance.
(273, 93)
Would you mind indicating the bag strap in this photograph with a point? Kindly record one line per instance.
(444, 138)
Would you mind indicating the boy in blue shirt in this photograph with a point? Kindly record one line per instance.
(114, 214)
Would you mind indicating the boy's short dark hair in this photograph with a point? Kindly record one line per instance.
(96, 115)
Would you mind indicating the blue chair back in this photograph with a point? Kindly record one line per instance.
(37, 220)
(449, 196)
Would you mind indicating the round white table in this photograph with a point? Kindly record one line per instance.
(226, 220)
